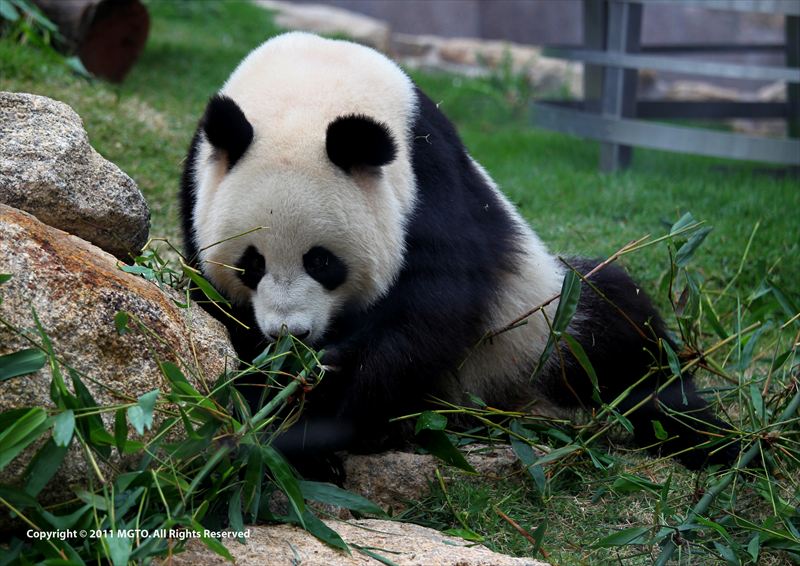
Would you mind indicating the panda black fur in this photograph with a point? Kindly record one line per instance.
(357, 220)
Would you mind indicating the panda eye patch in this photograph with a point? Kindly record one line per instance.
(254, 267)
(325, 267)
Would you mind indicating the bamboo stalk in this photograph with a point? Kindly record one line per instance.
(710, 495)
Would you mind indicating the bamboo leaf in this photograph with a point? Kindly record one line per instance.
(35, 14)
(437, 443)
(568, 302)
(43, 466)
(211, 542)
(557, 454)
(207, 289)
(323, 532)
(24, 429)
(789, 307)
(753, 547)
(285, 479)
(477, 400)
(580, 355)
(749, 347)
(333, 495)
(683, 222)
(374, 555)
(121, 322)
(120, 430)
(63, 427)
(141, 414)
(780, 360)
(119, 548)
(95, 500)
(91, 425)
(22, 362)
(252, 482)
(757, 401)
(527, 456)
(686, 251)
(674, 365)
(727, 553)
(62, 522)
(146, 272)
(634, 535)
(181, 386)
(235, 519)
(629, 483)
(713, 319)
(430, 421)
(8, 12)
(659, 430)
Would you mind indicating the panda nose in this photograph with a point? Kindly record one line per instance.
(300, 334)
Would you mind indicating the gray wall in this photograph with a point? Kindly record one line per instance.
(526, 21)
(545, 22)
(559, 22)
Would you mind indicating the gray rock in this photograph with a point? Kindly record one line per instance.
(461, 55)
(700, 91)
(404, 544)
(392, 479)
(76, 290)
(395, 479)
(408, 45)
(773, 92)
(48, 168)
(329, 20)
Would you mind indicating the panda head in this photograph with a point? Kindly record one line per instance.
(300, 208)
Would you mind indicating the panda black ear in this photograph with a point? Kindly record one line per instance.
(359, 141)
(226, 128)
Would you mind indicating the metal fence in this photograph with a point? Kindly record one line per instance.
(610, 112)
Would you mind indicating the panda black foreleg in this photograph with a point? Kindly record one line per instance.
(380, 375)
(389, 359)
(623, 334)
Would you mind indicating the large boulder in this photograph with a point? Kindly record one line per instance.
(76, 290)
(404, 544)
(48, 168)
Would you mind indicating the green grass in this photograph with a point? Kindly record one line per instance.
(582, 508)
(555, 181)
(145, 126)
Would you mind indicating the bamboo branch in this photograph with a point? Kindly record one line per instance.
(710, 495)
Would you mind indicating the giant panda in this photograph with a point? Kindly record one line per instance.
(326, 196)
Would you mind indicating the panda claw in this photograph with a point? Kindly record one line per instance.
(332, 358)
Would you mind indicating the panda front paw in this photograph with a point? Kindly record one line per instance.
(333, 359)
(341, 357)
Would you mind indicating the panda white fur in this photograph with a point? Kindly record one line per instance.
(326, 195)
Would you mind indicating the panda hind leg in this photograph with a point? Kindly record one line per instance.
(688, 429)
(620, 330)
